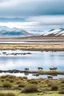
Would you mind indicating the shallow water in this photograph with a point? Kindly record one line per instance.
(32, 42)
(30, 76)
(32, 61)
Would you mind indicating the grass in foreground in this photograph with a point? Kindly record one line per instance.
(18, 93)
(22, 86)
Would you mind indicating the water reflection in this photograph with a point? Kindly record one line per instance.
(30, 76)
(33, 61)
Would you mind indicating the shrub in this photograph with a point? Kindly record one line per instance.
(2, 77)
(2, 80)
(62, 81)
(47, 81)
(18, 82)
(10, 77)
(2, 94)
(62, 85)
(61, 89)
(61, 92)
(33, 81)
(7, 84)
(54, 87)
(50, 83)
(10, 94)
(21, 85)
(11, 80)
(25, 78)
(30, 88)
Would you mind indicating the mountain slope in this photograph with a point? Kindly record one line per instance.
(58, 32)
(13, 32)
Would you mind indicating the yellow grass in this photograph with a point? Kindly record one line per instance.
(33, 46)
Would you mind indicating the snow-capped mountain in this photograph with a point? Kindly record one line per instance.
(17, 32)
(53, 32)
(13, 32)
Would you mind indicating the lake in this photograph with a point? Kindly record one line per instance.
(32, 61)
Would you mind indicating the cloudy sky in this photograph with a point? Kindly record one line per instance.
(41, 14)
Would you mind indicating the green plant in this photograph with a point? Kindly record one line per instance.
(33, 81)
(7, 84)
(54, 87)
(18, 82)
(62, 81)
(2, 94)
(11, 80)
(10, 94)
(7, 94)
(21, 85)
(61, 92)
(30, 88)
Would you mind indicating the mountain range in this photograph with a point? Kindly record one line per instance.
(17, 32)
(53, 32)
(13, 32)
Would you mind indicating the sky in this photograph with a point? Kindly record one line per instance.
(32, 14)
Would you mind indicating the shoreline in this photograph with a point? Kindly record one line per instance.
(41, 72)
(32, 47)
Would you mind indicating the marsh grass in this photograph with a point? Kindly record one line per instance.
(7, 85)
(40, 85)
(30, 88)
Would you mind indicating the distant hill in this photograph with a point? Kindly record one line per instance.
(13, 32)
(53, 32)
(17, 32)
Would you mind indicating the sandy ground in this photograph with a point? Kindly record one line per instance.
(46, 47)
(32, 46)
(33, 38)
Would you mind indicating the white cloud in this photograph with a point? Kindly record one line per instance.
(7, 3)
(37, 22)
(47, 20)
(23, 25)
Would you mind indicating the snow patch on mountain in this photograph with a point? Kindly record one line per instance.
(58, 32)
(13, 32)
